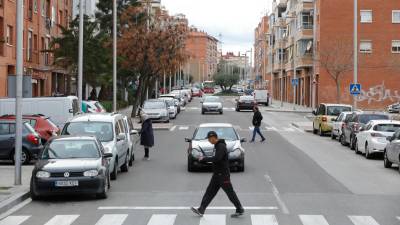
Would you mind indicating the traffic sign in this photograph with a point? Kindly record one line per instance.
(295, 82)
(355, 89)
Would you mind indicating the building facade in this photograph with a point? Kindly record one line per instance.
(202, 51)
(311, 40)
(41, 18)
(261, 56)
(240, 61)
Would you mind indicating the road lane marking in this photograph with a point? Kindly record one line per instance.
(213, 220)
(14, 220)
(263, 220)
(298, 129)
(313, 220)
(172, 128)
(271, 128)
(288, 129)
(114, 219)
(183, 128)
(182, 208)
(363, 220)
(162, 219)
(277, 195)
(62, 220)
(15, 208)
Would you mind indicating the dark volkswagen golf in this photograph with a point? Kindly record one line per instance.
(71, 165)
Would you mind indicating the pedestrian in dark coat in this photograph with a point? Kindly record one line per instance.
(146, 135)
(257, 118)
(220, 178)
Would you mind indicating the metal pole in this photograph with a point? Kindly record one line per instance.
(80, 54)
(115, 55)
(314, 79)
(156, 88)
(18, 95)
(355, 49)
(281, 63)
(170, 83)
(165, 85)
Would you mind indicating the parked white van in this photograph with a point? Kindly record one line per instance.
(261, 97)
(59, 109)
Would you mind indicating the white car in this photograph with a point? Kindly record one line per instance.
(188, 93)
(338, 124)
(157, 110)
(372, 137)
(212, 104)
(172, 107)
(133, 138)
(184, 97)
(109, 128)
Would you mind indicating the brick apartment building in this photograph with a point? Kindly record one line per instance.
(261, 56)
(202, 50)
(302, 32)
(41, 18)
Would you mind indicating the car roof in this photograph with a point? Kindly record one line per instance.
(385, 121)
(96, 117)
(75, 137)
(332, 104)
(25, 116)
(216, 125)
(154, 100)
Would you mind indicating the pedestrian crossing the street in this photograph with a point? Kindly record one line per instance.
(171, 219)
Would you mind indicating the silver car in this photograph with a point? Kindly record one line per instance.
(391, 153)
(211, 104)
(157, 110)
(200, 147)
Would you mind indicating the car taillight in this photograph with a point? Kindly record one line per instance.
(377, 135)
(33, 139)
(324, 119)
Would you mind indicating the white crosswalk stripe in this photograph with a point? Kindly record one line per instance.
(213, 220)
(62, 220)
(162, 219)
(313, 220)
(14, 220)
(263, 220)
(115, 219)
(363, 220)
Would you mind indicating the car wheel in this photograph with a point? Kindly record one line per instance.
(114, 173)
(25, 157)
(125, 166)
(202, 112)
(320, 132)
(237, 109)
(367, 153)
(241, 167)
(34, 195)
(357, 151)
(190, 167)
(333, 136)
(104, 193)
(315, 131)
(386, 162)
(352, 145)
(222, 112)
(343, 140)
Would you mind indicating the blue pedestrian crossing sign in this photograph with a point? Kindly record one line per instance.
(355, 89)
(295, 82)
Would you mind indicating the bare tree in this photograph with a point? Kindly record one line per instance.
(337, 59)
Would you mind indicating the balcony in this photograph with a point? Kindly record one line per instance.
(305, 5)
(305, 60)
(305, 32)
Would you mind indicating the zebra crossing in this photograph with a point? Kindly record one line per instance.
(287, 129)
(171, 219)
(191, 108)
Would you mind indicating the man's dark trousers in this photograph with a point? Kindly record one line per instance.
(220, 180)
(257, 131)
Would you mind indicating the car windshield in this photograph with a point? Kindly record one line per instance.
(365, 118)
(227, 133)
(71, 149)
(211, 99)
(336, 110)
(102, 130)
(387, 127)
(154, 105)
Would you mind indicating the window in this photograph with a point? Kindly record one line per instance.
(9, 35)
(30, 9)
(396, 46)
(365, 46)
(366, 16)
(396, 16)
(43, 7)
(46, 54)
(35, 6)
(35, 42)
(29, 48)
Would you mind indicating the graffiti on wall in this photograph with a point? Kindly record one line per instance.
(379, 93)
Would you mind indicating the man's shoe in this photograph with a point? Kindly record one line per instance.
(238, 213)
(197, 211)
(252, 141)
(263, 140)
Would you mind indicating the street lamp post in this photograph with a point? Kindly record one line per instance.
(355, 54)
(80, 54)
(115, 55)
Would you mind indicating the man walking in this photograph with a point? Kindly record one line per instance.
(257, 118)
(220, 178)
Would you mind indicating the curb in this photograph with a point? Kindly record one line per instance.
(14, 200)
(299, 127)
(288, 111)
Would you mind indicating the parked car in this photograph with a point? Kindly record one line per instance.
(133, 138)
(211, 104)
(188, 94)
(110, 130)
(325, 114)
(93, 107)
(208, 90)
(372, 137)
(59, 109)
(394, 108)
(177, 100)
(40, 123)
(245, 102)
(338, 123)
(353, 124)
(31, 143)
(172, 107)
(391, 153)
(196, 92)
(261, 97)
(71, 165)
(200, 147)
(184, 97)
(157, 110)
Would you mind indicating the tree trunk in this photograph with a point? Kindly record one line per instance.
(338, 94)
(137, 98)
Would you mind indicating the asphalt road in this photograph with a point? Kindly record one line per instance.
(294, 178)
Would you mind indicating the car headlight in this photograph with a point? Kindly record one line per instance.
(91, 173)
(196, 153)
(42, 174)
(235, 153)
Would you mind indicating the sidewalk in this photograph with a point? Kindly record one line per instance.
(137, 126)
(11, 195)
(287, 107)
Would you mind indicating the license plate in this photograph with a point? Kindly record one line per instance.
(67, 183)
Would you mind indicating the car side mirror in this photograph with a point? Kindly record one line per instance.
(389, 139)
(107, 155)
(334, 120)
(188, 140)
(121, 137)
(243, 140)
(134, 132)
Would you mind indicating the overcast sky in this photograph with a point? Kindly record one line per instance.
(235, 20)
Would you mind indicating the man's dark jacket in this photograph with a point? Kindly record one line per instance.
(257, 118)
(220, 160)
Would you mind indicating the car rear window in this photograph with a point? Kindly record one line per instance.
(51, 123)
(387, 127)
(336, 110)
(365, 118)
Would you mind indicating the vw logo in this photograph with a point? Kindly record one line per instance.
(66, 174)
